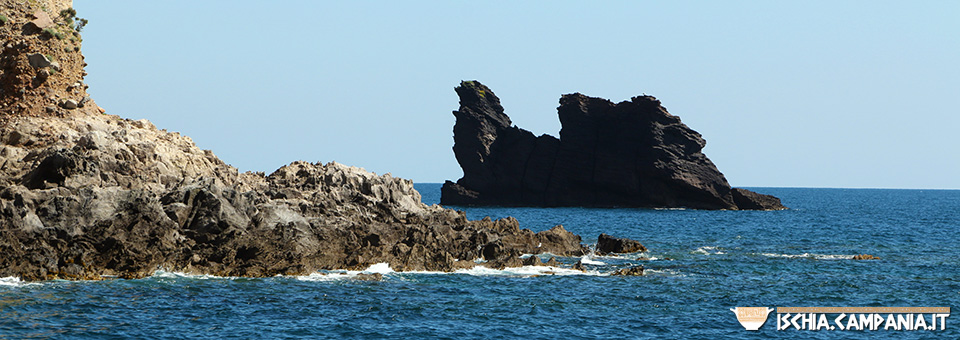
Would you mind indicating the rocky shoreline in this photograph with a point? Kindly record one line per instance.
(86, 195)
(89, 196)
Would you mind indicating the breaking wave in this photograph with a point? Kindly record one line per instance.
(662, 272)
(11, 281)
(163, 274)
(708, 250)
(526, 271)
(587, 259)
(385, 270)
(809, 256)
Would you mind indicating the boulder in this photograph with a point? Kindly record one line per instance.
(41, 20)
(535, 261)
(631, 154)
(532, 261)
(70, 104)
(608, 244)
(38, 60)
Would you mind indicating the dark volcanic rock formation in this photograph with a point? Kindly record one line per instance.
(633, 154)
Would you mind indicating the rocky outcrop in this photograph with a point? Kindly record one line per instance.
(89, 195)
(631, 154)
(607, 244)
(85, 195)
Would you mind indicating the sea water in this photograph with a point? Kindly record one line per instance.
(699, 265)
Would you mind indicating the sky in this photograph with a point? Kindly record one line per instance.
(839, 94)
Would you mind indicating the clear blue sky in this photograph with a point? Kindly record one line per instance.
(806, 93)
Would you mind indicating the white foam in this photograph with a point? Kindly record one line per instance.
(525, 271)
(662, 272)
(587, 259)
(331, 276)
(11, 281)
(708, 250)
(382, 268)
(809, 255)
(379, 268)
(163, 274)
(642, 256)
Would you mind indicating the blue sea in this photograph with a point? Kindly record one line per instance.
(699, 265)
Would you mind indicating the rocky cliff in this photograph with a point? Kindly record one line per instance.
(632, 154)
(85, 195)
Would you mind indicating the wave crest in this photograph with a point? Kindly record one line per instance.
(809, 255)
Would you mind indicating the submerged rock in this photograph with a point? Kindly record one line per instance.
(369, 277)
(633, 153)
(631, 271)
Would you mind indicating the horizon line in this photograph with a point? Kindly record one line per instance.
(802, 187)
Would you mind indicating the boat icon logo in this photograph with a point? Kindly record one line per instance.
(751, 318)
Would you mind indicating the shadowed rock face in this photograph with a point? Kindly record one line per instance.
(633, 153)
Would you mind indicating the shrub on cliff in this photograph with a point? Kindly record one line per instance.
(50, 33)
(69, 15)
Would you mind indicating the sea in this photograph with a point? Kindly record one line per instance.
(699, 265)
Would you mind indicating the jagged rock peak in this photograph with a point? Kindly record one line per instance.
(633, 153)
(479, 98)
